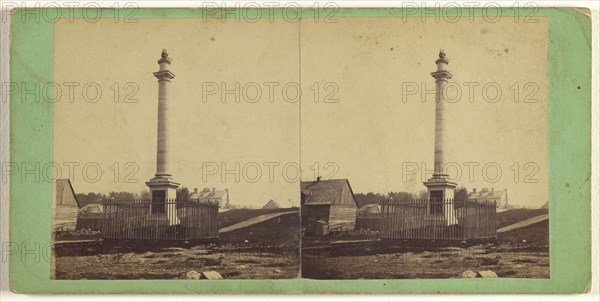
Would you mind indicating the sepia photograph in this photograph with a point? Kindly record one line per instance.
(168, 172)
(439, 140)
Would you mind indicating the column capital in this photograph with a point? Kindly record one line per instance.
(441, 75)
(163, 75)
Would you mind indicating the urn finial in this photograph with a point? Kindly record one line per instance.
(164, 58)
(442, 54)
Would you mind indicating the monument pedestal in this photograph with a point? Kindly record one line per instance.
(440, 205)
(162, 190)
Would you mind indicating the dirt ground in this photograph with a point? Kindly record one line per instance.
(505, 259)
(267, 250)
(522, 253)
(270, 250)
(231, 261)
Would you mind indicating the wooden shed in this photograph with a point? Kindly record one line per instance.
(331, 201)
(66, 206)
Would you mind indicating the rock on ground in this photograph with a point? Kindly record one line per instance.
(468, 274)
(192, 275)
(487, 274)
(211, 275)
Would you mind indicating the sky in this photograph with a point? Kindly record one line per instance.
(353, 120)
(382, 138)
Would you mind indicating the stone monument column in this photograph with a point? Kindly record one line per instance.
(164, 77)
(441, 79)
(162, 186)
(439, 188)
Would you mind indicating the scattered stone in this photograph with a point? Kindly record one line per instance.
(277, 270)
(487, 274)
(192, 275)
(211, 275)
(468, 274)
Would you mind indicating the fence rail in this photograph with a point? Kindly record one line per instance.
(438, 219)
(168, 220)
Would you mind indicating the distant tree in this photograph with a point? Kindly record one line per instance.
(145, 194)
(369, 198)
(122, 195)
(90, 198)
(183, 193)
(423, 194)
(82, 199)
(400, 196)
(460, 194)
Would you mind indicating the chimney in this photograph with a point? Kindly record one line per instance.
(213, 191)
(318, 178)
(196, 190)
(492, 190)
(227, 191)
(474, 190)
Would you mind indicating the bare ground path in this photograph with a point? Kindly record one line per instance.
(523, 223)
(254, 220)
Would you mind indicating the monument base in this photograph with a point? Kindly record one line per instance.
(162, 190)
(441, 199)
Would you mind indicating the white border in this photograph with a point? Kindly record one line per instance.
(593, 295)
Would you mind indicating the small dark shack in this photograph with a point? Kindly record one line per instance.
(90, 217)
(331, 201)
(369, 217)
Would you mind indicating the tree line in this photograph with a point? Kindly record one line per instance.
(362, 199)
(183, 193)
